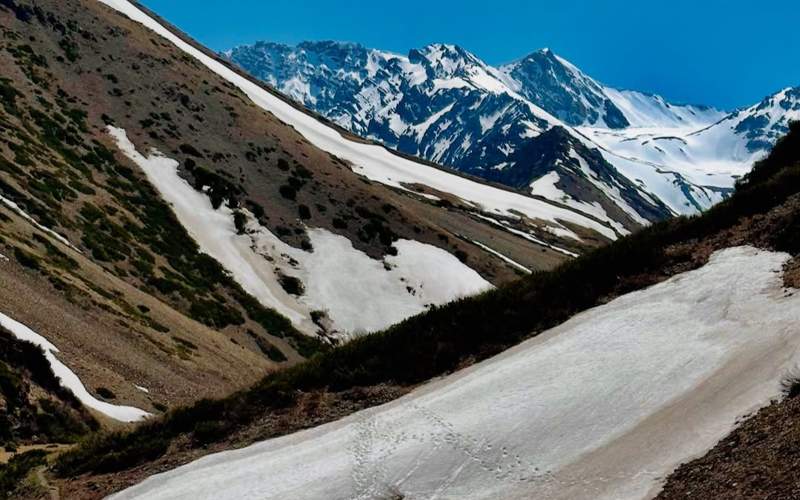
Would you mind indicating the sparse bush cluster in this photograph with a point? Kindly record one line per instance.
(17, 469)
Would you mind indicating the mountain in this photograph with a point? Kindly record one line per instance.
(444, 104)
(183, 246)
(562, 89)
(172, 230)
(566, 384)
(705, 161)
(757, 128)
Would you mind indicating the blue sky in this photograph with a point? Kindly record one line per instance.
(724, 53)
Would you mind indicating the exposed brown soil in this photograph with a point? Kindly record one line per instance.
(759, 460)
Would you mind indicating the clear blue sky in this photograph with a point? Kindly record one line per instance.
(725, 53)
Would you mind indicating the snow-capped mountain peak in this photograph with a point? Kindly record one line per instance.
(443, 103)
(560, 87)
(763, 123)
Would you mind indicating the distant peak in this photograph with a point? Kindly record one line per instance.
(330, 44)
(453, 56)
(446, 50)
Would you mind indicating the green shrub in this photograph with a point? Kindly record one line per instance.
(27, 259)
(14, 472)
(214, 313)
(288, 192)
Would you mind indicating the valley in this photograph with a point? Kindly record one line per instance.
(354, 274)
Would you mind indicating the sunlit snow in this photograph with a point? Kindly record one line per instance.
(358, 293)
(602, 406)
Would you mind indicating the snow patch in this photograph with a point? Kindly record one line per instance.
(595, 408)
(359, 294)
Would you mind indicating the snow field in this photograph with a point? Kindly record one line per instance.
(599, 407)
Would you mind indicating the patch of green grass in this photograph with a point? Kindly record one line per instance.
(17, 469)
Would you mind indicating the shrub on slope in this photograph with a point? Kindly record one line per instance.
(36, 408)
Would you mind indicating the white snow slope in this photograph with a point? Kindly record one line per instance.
(690, 163)
(372, 161)
(359, 294)
(603, 406)
(67, 377)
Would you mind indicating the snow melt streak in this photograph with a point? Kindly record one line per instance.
(516, 425)
(67, 377)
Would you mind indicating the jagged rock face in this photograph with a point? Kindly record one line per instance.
(444, 104)
(563, 90)
(579, 177)
(763, 124)
(441, 102)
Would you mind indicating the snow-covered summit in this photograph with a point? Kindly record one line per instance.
(443, 103)
(561, 88)
(760, 125)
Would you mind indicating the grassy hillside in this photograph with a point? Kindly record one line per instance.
(118, 299)
(765, 211)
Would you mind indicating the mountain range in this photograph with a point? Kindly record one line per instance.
(210, 290)
(624, 156)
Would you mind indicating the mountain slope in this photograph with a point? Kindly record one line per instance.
(172, 230)
(763, 213)
(440, 103)
(637, 358)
